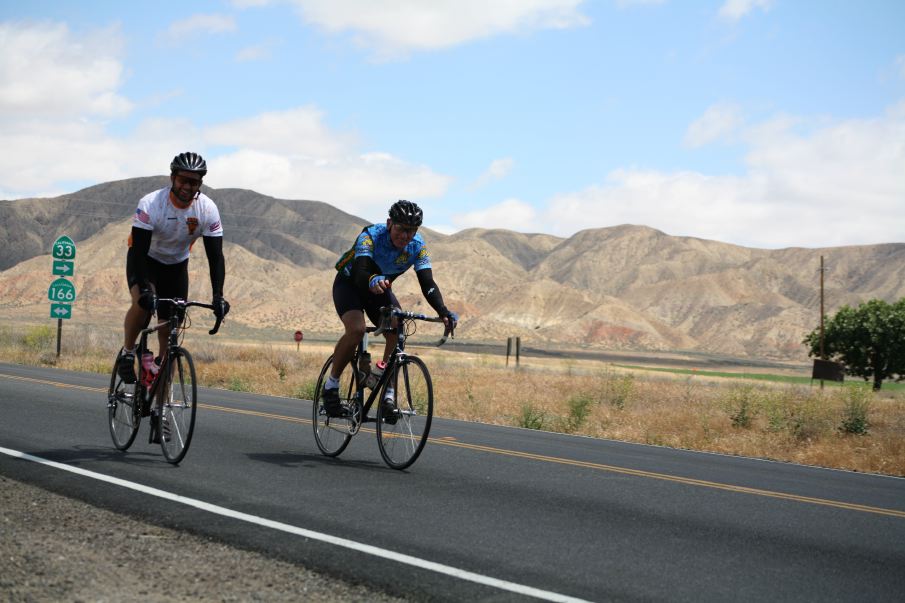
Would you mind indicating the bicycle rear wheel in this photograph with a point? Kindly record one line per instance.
(178, 398)
(123, 412)
(402, 441)
(332, 434)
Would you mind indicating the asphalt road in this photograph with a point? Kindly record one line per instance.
(487, 513)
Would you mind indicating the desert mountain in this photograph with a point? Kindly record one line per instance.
(622, 287)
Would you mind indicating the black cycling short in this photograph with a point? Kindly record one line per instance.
(346, 297)
(169, 280)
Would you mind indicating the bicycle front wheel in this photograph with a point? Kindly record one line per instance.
(332, 434)
(401, 438)
(123, 412)
(178, 400)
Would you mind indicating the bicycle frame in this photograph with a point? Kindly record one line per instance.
(402, 426)
(174, 323)
(397, 356)
(173, 388)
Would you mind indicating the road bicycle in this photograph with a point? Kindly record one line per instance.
(401, 436)
(173, 388)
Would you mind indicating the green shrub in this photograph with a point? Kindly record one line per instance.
(856, 405)
(617, 389)
(741, 402)
(39, 338)
(774, 406)
(579, 410)
(531, 417)
(238, 384)
(806, 417)
(307, 390)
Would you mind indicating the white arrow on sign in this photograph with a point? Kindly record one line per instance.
(60, 311)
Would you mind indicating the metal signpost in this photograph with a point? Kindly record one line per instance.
(62, 292)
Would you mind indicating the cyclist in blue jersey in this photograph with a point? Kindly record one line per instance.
(363, 285)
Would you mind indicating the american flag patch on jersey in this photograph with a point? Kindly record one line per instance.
(142, 216)
(215, 226)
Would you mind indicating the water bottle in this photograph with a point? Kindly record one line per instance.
(376, 374)
(149, 368)
(364, 366)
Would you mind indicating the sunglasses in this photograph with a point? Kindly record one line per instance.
(409, 230)
(192, 182)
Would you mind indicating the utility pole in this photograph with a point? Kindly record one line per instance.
(822, 351)
(822, 270)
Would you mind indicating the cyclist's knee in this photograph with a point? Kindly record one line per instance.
(355, 331)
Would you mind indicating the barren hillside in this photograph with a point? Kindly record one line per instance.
(622, 287)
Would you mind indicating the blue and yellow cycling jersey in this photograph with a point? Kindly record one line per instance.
(374, 242)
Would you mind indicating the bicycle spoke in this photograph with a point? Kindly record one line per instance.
(122, 415)
(332, 434)
(178, 406)
(401, 442)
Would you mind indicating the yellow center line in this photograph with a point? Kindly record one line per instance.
(450, 441)
(674, 478)
(54, 383)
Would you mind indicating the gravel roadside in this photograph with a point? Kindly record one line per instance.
(54, 548)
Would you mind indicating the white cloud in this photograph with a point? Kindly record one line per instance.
(361, 184)
(498, 169)
(734, 10)
(293, 154)
(511, 214)
(57, 87)
(832, 184)
(258, 52)
(47, 71)
(394, 27)
(719, 122)
(295, 132)
(206, 24)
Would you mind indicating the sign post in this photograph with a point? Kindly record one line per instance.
(298, 339)
(62, 292)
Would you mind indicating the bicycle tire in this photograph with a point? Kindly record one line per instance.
(178, 402)
(329, 432)
(123, 412)
(402, 441)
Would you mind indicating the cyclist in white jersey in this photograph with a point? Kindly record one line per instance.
(165, 225)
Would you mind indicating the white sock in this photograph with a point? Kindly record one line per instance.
(389, 394)
(332, 383)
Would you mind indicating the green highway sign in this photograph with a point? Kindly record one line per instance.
(61, 290)
(60, 311)
(63, 249)
(63, 267)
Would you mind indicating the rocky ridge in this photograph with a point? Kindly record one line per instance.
(621, 287)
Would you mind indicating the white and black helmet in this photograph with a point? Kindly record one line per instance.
(406, 213)
(189, 162)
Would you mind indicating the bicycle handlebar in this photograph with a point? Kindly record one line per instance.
(183, 304)
(388, 312)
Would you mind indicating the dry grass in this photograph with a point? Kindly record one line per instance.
(848, 428)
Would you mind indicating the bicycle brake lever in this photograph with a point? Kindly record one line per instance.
(447, 333)
(216, 326)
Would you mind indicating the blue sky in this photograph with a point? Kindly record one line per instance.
(764, 123)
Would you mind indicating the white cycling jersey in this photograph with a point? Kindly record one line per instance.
(174, 230)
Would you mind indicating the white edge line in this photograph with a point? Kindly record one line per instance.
(284, 527)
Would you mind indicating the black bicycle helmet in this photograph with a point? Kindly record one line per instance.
(406, 213)
(189, 162)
